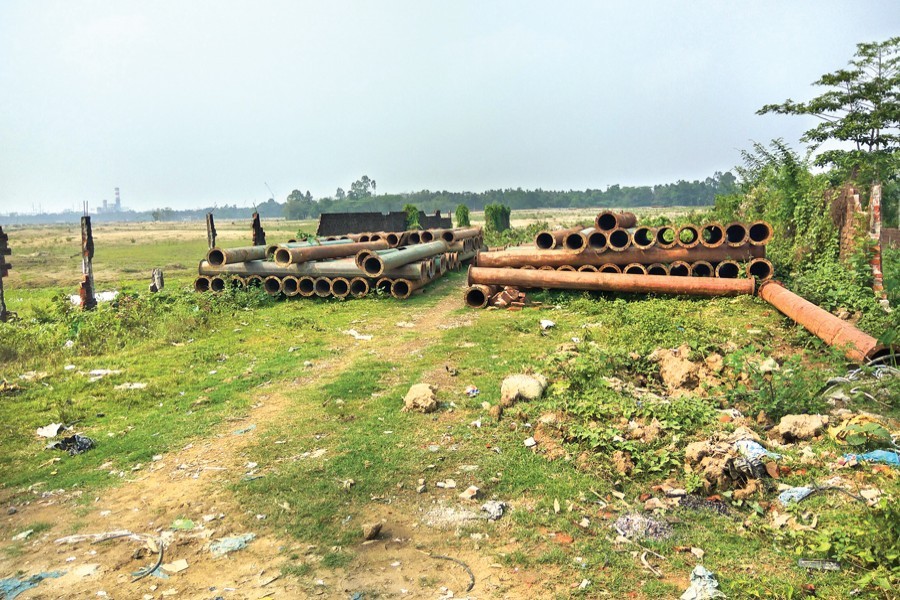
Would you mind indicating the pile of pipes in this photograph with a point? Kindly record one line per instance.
(399, 263)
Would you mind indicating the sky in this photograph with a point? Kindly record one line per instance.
(197, 103)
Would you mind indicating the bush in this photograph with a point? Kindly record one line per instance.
(462, 216)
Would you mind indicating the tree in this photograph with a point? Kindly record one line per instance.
(412, 216)
(861, 109)
(299, 206)
(462, 216)
(340, 194)
(361, 188)
(496, 217)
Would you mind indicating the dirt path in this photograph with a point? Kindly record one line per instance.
(192, 484)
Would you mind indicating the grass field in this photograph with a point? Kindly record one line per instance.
(268, 413)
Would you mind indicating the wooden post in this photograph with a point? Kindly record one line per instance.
(210, 231)
(88, 299)
(156, 280)
(5, 315)
(259, 236)
(875, 236)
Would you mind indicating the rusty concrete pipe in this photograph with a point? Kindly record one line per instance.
(237, 283)
(377, 264)
(576, 241)
(566, 268)
(618, 240)
(293, 256)
(728, 269)
(702, 268)
(635, 269)
(585, 268)
(378, 235)
(290, 285)
(340, 287)
(759, 233)
(856, 345)
(363, 255)
(271, 249)
(597, 241)
(226, 256)
(641, 284)
(643, 237)
(547, 268)
(712, 235)
(609, 268)
(354, 236)
(608, 220)
(402, 289)
(365, 237)
(666, 236)
(306, 286)
(527, 267)
(688, 236)
(201, 284)
(414, 237)
(272, 285)
(254, 281)
(216, 284)
(760, 268)
(736, 234)
(455, 235)
(359, 287)
(657, 269)
(342, 267)
(478, 296)
(322, 287)
(383, 285)
(679, 268)
(395, 239)
(519, 256)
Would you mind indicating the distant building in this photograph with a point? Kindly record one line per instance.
(342, 223)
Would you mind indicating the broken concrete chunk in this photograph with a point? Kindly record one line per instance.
(494, 509)
(371, 531)
(794, 428)
(470, 493)
(521, 387)
(420, 398)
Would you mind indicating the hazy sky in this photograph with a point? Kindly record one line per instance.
(188, 103)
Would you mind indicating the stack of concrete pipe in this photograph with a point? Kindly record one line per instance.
(352, 266)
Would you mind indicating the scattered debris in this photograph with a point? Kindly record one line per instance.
(793, 428)
(460, 563)
(795, 494)
(175, 567)
(547, 324)
(11, 587)
(246, 429)
(357, 335)
(470, 493)
(420, 398)
(819, 564)
(885, 457)
(639, 526)
(50, 431)
(703, 585)
(472, 391)
(130, 386)
(530, 442)
(19, 537)
(521, 387)
(448, 484)
(182, 525)
(494, 509)
(75, 444)
(223, 546)
(371, 531)
(622, 462)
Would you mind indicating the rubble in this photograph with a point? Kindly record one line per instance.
(520, 387)
(420, 398)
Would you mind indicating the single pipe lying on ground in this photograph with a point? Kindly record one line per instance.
(857, 346)
(635, 269)
(546, 240)
(609, 268)
(643, 237)
(688, 236)
(519, 256)
(618, 240)
(608, 220)
(226, 256)
(322, 287)
(306, 286)
(201, 284)
(712, 235)
(402, 289)
(760, 268)
(759, 232)
(657, 269)
(340, 287)
(290, 285)
(454, 235)
(359, 287)
(728, 269)
(736, 234)
(272, 285)
(702, 268)
(679, 268)
(478, 296)
(642, 284)
(293, 256)
(377, 264)
(666, 236)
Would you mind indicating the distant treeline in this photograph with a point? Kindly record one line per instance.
(362, 198)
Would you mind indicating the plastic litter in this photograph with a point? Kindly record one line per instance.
(231, 544)
(547, 324)
(472, 391)
(74, 444)
(703, 585)
(494, 509)
(885, 457)
(50, 431)
(795, 494)
(244, 430)
(753, 450)
(11, 587)
(182, 524)
(819, 564)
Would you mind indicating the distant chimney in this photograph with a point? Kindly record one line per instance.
(118, 201)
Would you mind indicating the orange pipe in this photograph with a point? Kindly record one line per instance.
(518, 257)
(857, 346)
(608, 220)
(611, 282)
